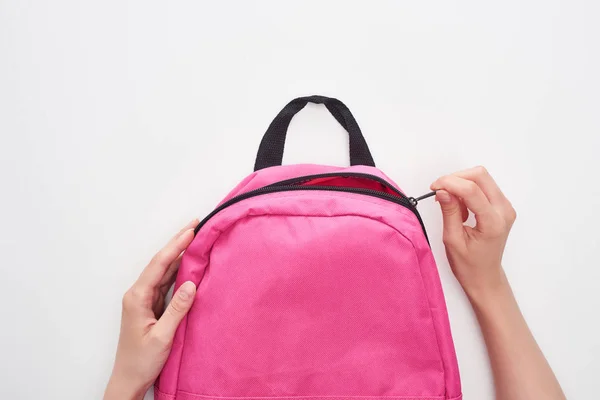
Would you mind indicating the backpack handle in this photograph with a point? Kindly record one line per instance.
(270, 152)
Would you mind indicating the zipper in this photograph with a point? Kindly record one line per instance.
(298, 181)
(295, 184)
(415, 200)
(360, 175)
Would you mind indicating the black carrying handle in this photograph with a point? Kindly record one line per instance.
(270, 152)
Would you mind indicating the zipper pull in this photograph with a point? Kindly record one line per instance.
(415, 200)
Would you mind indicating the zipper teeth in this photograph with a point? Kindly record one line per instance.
(360, 175)
(293, 185)
(290, 188)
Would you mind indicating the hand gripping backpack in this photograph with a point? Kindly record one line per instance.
(314, 282)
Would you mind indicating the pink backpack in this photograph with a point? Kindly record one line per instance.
(314, 283)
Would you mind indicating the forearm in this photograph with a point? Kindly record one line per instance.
(121, 389)
(519, 366)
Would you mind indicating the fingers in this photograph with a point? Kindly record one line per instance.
(179, 306)
(479, 192)
(170, 274)
(160, 263)
(484, 180)
(464, 211)
(470, 193)
(190, 225)
(452, 215)
(481, 177)
(164, 285)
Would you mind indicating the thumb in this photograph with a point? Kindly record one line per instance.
(451, 213)
(177, 309)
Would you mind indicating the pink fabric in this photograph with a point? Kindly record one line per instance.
(311, 294)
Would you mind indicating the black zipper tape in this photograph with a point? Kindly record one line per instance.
(295, 184)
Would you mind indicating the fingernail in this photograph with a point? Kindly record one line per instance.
(186, 291)
(443, 197)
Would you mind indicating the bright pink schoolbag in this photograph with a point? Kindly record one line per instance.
(314, 283)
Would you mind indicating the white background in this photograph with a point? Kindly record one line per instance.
(122, 120)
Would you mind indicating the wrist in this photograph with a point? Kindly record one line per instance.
(120, 388)
(485, 295)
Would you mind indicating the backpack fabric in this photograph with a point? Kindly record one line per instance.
(313, 282)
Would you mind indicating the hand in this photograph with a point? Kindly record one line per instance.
(475, 253)
(146, 336)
